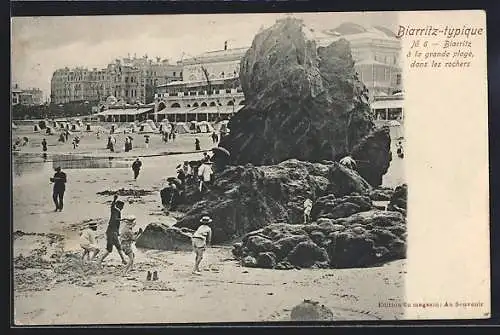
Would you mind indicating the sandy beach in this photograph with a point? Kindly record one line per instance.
(53, 287)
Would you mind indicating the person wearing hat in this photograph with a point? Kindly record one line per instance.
(88, 242)
(201, 238)
(205, 173)
(113, 230)
(59, 181)
(127, 238)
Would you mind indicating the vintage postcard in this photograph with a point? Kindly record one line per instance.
(250, 168)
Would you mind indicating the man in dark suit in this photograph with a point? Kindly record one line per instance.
(59, 181)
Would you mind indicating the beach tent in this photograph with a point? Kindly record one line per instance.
(151, 124)
(36, 128)
(192, 125)
(79, 122)
(204, 127)
(49, 130)
(87, 127)
(145, 128)
(14, 126)
(75, 127)
(62, 125)
(221, 125)
(181, 128)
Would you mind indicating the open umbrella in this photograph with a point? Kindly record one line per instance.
(221, 150)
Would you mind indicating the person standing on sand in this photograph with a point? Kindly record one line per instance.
(197, 144)
(136, 167)
(201, 239)
(44, 145)
(113, 230)
(147, 141)
(88, 242)
(59, 181)
(127, 238)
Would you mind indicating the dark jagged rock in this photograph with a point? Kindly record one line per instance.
(333, 208)
(345, 181)
(246, 198)
(160, 236)
(306, 254)
(302, 101)
(373, 156)
(381, 194)
(398, 199)
(363, 239)
(309, 310)
(266, 260)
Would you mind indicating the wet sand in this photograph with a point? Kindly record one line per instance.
(53, 287)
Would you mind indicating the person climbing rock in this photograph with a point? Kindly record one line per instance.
(307, 210)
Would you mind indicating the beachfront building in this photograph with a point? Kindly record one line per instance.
(15, 93)
(126, 113)
(26, 97)
(376, 52)
(388, 108)
(210, 89)
(130, 79)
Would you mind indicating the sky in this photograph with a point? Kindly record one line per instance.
(40, 45)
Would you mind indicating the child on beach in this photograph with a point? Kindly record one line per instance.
(88, 242)
(201, 238)
(127, 238)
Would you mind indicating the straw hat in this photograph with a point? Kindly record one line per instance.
(205, 219)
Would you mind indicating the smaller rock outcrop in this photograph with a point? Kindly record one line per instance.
(398, 200)
(309, 310)
(162, 237)
(373, 155)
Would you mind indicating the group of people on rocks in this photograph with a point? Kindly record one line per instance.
(197, 173)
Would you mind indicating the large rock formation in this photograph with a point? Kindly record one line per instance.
(360, 240)
(301, 101)
(246, 198)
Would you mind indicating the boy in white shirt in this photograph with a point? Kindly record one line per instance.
(88, 242)
(205, 173)
(201, 238)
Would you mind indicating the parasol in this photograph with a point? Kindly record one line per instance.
(222, 150)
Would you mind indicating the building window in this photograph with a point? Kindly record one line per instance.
(398, 79)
